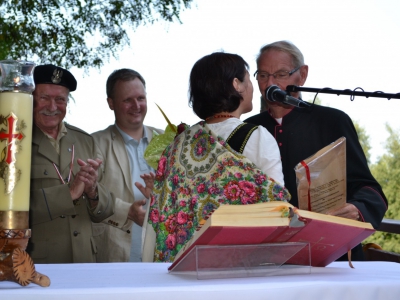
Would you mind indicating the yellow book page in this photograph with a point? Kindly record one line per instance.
(264, 206)
(253, 221)
(332, 219)
(251, 214)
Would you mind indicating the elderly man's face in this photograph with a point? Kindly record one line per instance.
(129, 104)
(49, 106)
(273, 61)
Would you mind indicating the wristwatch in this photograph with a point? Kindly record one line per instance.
(96, 197)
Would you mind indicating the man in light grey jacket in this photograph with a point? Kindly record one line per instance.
(122, 146)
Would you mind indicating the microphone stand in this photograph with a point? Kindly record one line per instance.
(352, 93)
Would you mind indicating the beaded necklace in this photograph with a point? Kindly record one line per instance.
(220, 116)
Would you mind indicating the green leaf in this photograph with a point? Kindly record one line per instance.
(61, 32)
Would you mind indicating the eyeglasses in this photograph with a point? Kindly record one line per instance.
(279, 75)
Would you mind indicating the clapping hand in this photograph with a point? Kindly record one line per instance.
(149, 182)
(85, 180)
(136, 211)
(90, 173)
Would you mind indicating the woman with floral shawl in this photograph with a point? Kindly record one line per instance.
(199, 170)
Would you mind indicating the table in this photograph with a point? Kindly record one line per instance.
(118, 281)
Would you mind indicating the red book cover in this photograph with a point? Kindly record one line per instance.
(328, 241)
(329, 237)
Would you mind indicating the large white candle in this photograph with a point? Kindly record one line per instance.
(16, 111)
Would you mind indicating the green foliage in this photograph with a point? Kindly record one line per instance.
(387, 173)
(158, 144)
(80, 33)
(363, 137)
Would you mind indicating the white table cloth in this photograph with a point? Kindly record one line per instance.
(117, 281)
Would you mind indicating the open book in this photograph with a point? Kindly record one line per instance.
(321, 178)
(277, 222)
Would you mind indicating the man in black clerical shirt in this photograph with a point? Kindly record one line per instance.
(301, 132)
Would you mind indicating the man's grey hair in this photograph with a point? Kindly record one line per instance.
(287, 47)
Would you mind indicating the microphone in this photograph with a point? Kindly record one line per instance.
(275, 94)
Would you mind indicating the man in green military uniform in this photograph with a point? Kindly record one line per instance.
(65, 191)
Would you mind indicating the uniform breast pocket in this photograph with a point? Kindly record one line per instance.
(43, 175)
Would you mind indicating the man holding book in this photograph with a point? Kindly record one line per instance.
(301, 132)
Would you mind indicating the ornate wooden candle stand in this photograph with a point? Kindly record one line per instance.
(15, 264)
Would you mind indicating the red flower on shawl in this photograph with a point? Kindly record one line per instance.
(238, 175)
(189, 225)
(186, 191)
(232, 190)
(200, 149)
(175, 179)
(170, 224)
(181, 236)
(260, 178)
(174, 197)
(213, 190)
(182, 217)
(248, 192)
(154, 216)
(198, 133)
(152, 200)
(211, 139)
(193, 203)
(161, 167)
(170, 241)
(201, 188)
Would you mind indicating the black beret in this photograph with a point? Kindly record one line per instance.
(51, 74)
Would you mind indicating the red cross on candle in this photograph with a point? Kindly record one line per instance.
(10, 137)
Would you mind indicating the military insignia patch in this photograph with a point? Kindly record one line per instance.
(57, 74)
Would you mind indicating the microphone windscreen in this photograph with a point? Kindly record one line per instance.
(270, 93)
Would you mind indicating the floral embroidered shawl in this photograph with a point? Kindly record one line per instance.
(196, 173)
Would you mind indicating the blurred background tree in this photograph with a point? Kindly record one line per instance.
(387, 172)
(363, 137)
(76, 33)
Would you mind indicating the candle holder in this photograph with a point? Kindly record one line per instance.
(16, 110)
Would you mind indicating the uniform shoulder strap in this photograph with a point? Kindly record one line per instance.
(240, 135)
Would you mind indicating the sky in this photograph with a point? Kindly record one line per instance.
(346, 44)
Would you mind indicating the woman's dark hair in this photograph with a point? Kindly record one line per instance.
(211, 89)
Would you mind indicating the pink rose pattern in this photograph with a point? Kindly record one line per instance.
(195, 174)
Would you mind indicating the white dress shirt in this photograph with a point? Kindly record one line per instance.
(138, 166)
